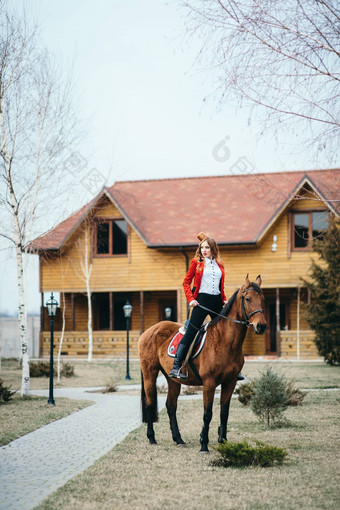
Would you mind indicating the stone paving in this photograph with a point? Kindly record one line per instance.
(35, 465)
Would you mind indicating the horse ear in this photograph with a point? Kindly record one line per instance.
(258, 280)
(246, 281)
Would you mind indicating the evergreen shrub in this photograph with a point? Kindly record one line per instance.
(270, 397)
(5, 393)
(246, 391)
(244, 454)
(323, 311)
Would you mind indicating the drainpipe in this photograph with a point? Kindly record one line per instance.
(298, 325)
(186, 266)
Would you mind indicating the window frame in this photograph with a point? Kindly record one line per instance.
(310, 212)
(110, 221)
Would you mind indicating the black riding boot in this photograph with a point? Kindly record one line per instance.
(179, 358)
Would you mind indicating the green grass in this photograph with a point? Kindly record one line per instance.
(137, 475)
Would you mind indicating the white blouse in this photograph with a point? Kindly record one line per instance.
(211, 277)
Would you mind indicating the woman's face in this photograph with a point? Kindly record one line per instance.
(206, 250)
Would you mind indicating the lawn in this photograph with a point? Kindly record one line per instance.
(20, 416)
(96, 373)
(137, 475)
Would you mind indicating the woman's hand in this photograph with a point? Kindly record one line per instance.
(193, 303)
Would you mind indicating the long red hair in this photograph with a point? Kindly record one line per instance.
(215, 252)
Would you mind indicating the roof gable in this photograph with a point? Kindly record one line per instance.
(234, 209)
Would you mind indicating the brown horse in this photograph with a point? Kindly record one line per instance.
(219, 363)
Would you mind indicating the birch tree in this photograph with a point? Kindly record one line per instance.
(280, 59)
(37, 127)
(83, 270)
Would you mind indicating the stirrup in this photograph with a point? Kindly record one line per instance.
(178, 375)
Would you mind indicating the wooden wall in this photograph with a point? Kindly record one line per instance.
(159, 273)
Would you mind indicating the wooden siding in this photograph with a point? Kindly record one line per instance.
(111, 344)
(159, 273)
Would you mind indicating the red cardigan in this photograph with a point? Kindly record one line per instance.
(196, 272)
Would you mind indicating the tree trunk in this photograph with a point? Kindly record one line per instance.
(61, 342)
(25, 380)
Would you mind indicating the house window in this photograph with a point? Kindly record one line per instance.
(111, 238)
(308, 226)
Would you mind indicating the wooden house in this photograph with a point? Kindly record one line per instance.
(138, 237)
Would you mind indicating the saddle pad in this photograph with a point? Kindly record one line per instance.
(172, 347)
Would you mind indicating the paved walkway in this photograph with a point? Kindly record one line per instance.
(35, 465)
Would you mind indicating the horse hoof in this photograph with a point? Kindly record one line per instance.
(153, 442)
(204, 451)
(182, 444)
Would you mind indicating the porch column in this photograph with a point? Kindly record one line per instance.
(111, 310)
(298, 325)
(278, 336)
(73, 319)
(179, 307)
(141, 303)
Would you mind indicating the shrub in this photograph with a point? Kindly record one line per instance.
(39, 369)
(5, 393)
(67, 370)
(295, 395)
(324, 285)
(270, 397)
(110, 387)
(244, 454)
(246, 391)
(42, 369)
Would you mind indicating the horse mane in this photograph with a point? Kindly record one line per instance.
(227, 307)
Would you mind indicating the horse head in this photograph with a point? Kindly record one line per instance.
(252, 304)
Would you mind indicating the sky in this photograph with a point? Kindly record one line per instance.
(149, 112)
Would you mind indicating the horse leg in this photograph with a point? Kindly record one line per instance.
(149, 403)
(208, 399)
(226, 393)
(171, 406)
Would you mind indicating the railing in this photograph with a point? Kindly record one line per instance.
(300, 344)
(105, 343)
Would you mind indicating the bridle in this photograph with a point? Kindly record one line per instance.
(246, 315)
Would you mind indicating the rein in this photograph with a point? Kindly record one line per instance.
(246, 316)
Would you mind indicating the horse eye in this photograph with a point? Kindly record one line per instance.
(247, 299)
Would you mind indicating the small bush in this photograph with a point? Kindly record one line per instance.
(67, 370)
(270, 397)
(295, 395)
(246, 391)
(244, 454)
(39, 369)
(5, 393)
(110, 387)
(42, 369)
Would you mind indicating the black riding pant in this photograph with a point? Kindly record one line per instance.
(199, 314)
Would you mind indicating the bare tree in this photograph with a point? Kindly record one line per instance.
(82, 267)
(279, 58)
(37, 127)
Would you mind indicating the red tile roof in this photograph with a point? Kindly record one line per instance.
(234, 209)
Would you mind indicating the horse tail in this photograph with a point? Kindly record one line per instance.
(150, 411)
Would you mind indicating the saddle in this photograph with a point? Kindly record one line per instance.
(196, 345)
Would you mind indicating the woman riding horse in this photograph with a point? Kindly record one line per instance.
(207, 271)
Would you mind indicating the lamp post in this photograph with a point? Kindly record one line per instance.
(127, 312)
(167, 313)
(52, 310)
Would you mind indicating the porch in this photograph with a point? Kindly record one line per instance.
(106, 344)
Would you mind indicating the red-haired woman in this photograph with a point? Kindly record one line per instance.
(207, 271)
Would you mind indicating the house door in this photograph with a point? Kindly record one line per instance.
(271, 347)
